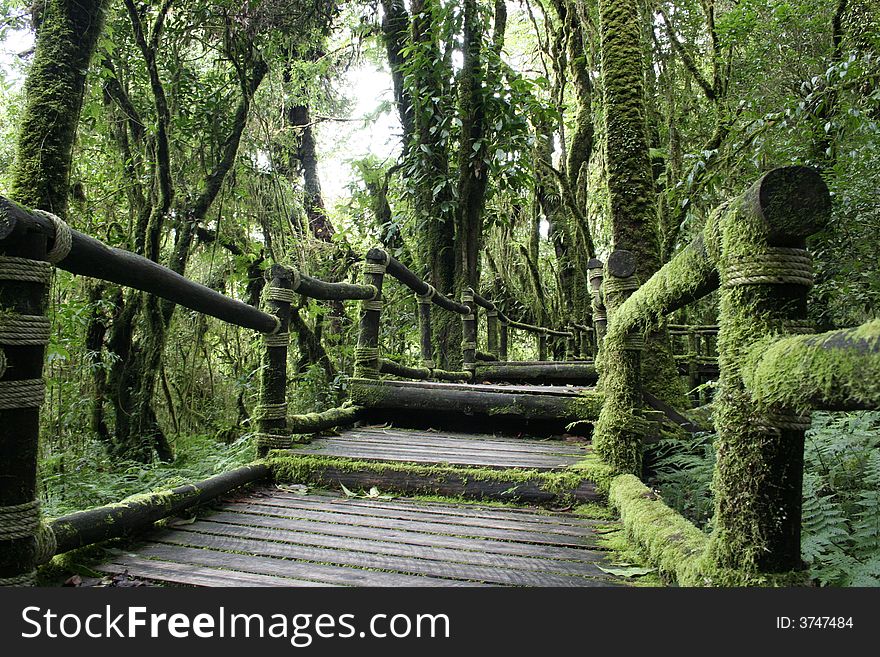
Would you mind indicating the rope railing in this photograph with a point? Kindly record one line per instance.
(772, 372)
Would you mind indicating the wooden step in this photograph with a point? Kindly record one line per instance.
(442, 463)
(280, 538)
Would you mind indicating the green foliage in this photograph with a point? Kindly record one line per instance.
(85, 476)
(841, 505)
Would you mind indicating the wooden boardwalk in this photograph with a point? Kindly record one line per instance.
(278, 538)
(420, 446)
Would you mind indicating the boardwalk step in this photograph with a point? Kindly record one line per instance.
(279, 538)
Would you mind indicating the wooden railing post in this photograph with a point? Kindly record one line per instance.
(492, 332)
(619, 434)
(600, 315)
(271, 414)
(469, 333)
(425, 330)
(24, 333)
(542, 346)
(366, 362)
(766, 274)
(503, 330)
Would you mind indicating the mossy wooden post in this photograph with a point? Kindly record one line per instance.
(24, 332)
(503, 331)
(542, 347)
(425, 330)
(766, 274)
(469, 333)
(271, 414)
(693, 353)
(600, 315)
(572, 344)
(366, 364)
(620, 431)
(492, 332)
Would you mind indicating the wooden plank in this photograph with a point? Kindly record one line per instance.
(467, 510)
(384, 453)
(476, 442)
(449, 483)
(405, 565)
(376, 546)
(489, 546)
(430, 527)
(423, 516)
(448, 448)
(458, 435)
(248, 563)
(187, 574)
(553, 391)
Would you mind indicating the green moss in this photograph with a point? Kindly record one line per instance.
(54, 92)
(671, 544)
(310, 468)
(594, 511)
(622, 551)
(838, 370)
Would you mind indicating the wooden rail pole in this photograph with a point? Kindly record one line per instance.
(425, 330)
(492, 332)
(271, 414)
(619, 434)
(503, 331)
(542, 347)
(24, 333)
(600, 315)
(469, 333)
(366, 364)
(766, 274)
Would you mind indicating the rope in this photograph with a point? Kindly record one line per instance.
(281, 295)
(63, 238)
(47, 543)
(376, 293)
(491, 313)
(296, 279)
(24, 330)
(375, 306)
(778, 266)
(428, 296)
(615, 285)
(28, 579)
(23, 269)
(634, 342)
(276, 340)
(3, 362)
(19, 520)
(271, 411)
(596, 274)
(366, 354)
(469, 345)
(468, 318)
(22, 394)
(375, 268)
(272, 441)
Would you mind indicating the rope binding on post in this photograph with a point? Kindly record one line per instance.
(428, 296)
(271, 412)
(775, 266)
(276, 339)
(26, 270)
(63, 241)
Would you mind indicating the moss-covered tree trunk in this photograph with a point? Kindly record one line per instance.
(66, 36)
(634, 227)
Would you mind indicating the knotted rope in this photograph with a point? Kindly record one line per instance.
(281, 295)
(24, 269)
(615, 285)
(19, 520)
(24, 330)
(63, 241)
(374, 305)
(775, 266)
(276, 340)
(428, 296)
(267, 441)
(271, 411)
(28, 393)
